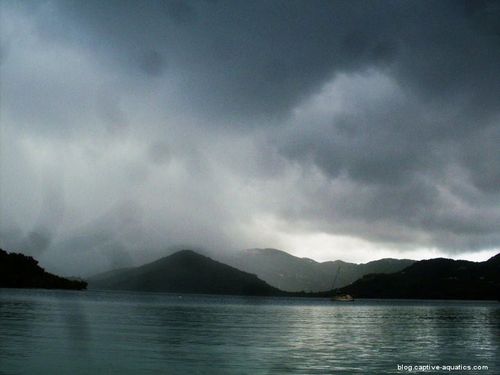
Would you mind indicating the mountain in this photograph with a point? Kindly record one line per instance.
(293, 274)
(184, 272)
(434, 279)
(21, 271)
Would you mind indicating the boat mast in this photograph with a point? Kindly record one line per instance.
(336, 276)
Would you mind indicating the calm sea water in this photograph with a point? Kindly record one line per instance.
(90, 332)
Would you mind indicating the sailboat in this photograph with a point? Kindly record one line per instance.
(340, 297)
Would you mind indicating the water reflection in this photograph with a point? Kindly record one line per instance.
(17, 318)
(92, 332)
(75, 323)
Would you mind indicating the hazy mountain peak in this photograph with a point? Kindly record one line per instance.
(185, 272)
(294, 274)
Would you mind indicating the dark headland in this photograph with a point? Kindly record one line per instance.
(21, 271)
(438, 278)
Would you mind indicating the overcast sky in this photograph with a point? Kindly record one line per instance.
(348, 130)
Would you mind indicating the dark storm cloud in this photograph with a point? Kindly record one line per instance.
(262, 57)
(422, 184)
(373, 119)
(241, 58)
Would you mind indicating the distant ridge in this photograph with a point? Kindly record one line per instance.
(21, 271)
(190, 272)
(293, 274)
(438, 278)
(185, 272)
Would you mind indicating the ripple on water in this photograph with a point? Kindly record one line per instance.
(95, 332)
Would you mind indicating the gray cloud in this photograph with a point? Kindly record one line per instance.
(265, 56)
(174, 122)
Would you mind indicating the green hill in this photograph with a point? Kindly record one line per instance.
(184, 272)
